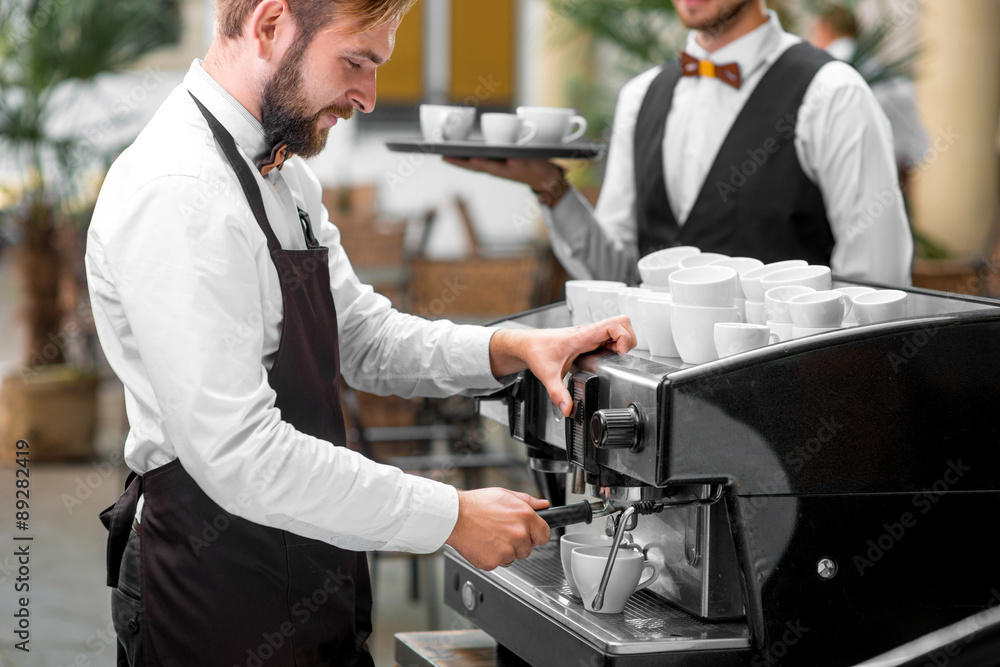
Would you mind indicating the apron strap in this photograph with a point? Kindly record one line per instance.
(118, 520)
(246, 177)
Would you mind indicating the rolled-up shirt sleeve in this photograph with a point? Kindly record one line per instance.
(179, 308)
(602, 243)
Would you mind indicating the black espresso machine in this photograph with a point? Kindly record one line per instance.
(815, 502)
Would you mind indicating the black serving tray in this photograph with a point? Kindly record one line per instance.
(583, 149)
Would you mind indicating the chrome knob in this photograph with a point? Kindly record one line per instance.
(617, 427)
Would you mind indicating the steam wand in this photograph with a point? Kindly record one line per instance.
(641, 507)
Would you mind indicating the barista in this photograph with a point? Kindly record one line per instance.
(754, 144)
(226, 305)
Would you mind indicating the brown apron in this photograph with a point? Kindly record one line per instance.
(198, 585)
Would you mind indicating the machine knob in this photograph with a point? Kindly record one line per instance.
(617, 427)
(469, 596)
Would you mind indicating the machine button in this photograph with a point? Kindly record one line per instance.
(617, 427)
(469, 596)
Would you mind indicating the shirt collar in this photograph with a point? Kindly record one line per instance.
(841, 49)
(749, 51)
(245, 128)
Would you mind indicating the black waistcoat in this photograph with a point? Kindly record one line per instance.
(756, 201)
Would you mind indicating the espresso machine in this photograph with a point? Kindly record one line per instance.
(815, 502)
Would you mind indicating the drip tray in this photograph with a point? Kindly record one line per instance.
(648, 624)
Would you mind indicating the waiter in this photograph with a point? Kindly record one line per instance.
(227, 307)
(754, 143)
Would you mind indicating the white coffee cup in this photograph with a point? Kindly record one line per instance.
(704, 286)
(755, 312)
(826, 308)
(777, 301)
(880, 305)
(628, 303)
(814, 275)
(742, 265)
(851, 292)
(576, 298)
(655, 288)
(658, 276)
(626, 578)
(693, 328)
(654, 312)
(570, 541)
(506, 129)
(554, 125)
(736, 337)
(751, 279)
(782, 329)
(442, 122)
(602, 301)
(802, 332)
(666, 257)
(701, 259)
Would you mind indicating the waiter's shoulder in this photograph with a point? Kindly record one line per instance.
(837, 75)
(639, 84)
(175, 147)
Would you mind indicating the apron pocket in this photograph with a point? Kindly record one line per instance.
(126, 614)
(126, 603)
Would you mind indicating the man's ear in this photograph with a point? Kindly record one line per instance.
(270, 28)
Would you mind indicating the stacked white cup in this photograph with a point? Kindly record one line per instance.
(578, 300)
(702, 296)
(742, 265)
(754, 292)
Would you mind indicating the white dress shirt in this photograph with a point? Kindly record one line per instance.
(842, 140)
(188, 308)
(898, 98)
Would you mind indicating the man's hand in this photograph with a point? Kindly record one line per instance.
(549, 353)
(496, 526)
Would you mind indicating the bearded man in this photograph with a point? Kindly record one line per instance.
(227, 307)
(753, 143)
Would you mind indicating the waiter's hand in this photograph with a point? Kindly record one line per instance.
(496, 526)
(539, 175)
(549, 353)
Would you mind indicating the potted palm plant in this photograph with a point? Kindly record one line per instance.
(47, 51)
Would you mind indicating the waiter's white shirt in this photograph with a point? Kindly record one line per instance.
(842, 139)
(188, 308)
(898, 98)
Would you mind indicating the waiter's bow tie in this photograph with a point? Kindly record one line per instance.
(275, 160)
(691, 66)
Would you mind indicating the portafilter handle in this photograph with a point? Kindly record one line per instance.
(582, 512)
(619, 533)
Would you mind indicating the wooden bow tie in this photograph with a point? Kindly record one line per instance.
(728, 73)
(275, 160)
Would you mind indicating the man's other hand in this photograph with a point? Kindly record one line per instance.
(549, 353)
(496, 526)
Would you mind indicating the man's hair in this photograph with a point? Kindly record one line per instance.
(311, 15)
(840, 19)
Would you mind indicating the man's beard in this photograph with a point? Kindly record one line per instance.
(716, 23)
(284, 110)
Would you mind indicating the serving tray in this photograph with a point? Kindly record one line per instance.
(584, 149)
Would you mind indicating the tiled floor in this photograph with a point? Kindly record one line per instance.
(69, 602)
